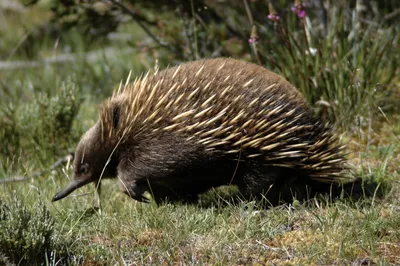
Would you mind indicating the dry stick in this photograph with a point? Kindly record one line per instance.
(21, 41)
(148, 31)
(391, 125)
(231, 30)
(65, 58)
(188, 39)
(322, 15)
(194, 31)
(253, 35)
(267, 247)
(249, 15)
(57, 164)
(393, 14)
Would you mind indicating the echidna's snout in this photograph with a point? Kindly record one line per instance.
(69, 189)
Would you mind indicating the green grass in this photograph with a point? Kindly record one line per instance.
(317, 232)
(45, 109)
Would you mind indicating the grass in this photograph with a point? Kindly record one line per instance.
(45, 109)
(125, 232)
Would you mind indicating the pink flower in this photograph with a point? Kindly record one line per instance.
(274, 18)
(301, 13)
(299, 9)
(253, 40)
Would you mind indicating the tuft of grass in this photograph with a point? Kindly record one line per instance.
(345, 73)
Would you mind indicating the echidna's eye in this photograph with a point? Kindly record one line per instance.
(83, 168)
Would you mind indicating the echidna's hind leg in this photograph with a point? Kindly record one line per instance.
(165, 193)
(269, 184)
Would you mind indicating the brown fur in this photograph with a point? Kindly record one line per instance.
(178, 132)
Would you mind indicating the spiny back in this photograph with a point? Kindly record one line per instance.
(229, 107)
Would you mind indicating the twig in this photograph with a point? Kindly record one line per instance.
(57, 164)
(393, 14)
(92, 56)
(194, 30)
(138, 20)
(14, 6)
(253, 35)
(267, 247)
(391, 125)
(188, 37)
(231, 30)
(322, 15)
(21, 41)
(248, 11)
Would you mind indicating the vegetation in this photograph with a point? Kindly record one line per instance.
(60, 59)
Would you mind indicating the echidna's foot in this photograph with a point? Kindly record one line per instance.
(163, 193)
(270, 196)
(135, 191)
(169, 199)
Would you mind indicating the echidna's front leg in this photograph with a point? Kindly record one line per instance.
(133, 189)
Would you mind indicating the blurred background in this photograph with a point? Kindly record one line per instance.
(60, 58)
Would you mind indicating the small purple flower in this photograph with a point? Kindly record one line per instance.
(299, 9)
(301, 13)
(253, 40)
(273, 15)
(253, 36)
(274, 18)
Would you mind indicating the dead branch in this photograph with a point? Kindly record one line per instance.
(57, 164)
(92, 56)
(393, 14)
(139, 21)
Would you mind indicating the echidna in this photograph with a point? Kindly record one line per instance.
(181, 131)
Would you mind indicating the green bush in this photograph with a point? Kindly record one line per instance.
(345, 72)
(340, 54)
(27, 237)
(4, 260)
(42, 125)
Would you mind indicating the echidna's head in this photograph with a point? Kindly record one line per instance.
(92, 161)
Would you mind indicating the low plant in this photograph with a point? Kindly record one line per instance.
(345, 70)
(28, 236)
(41, 126)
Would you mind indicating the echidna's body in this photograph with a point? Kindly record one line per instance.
(181, 131)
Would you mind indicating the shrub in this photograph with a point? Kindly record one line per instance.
(27, 237)
(346, 71)
(42, 126)
(341, 55)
